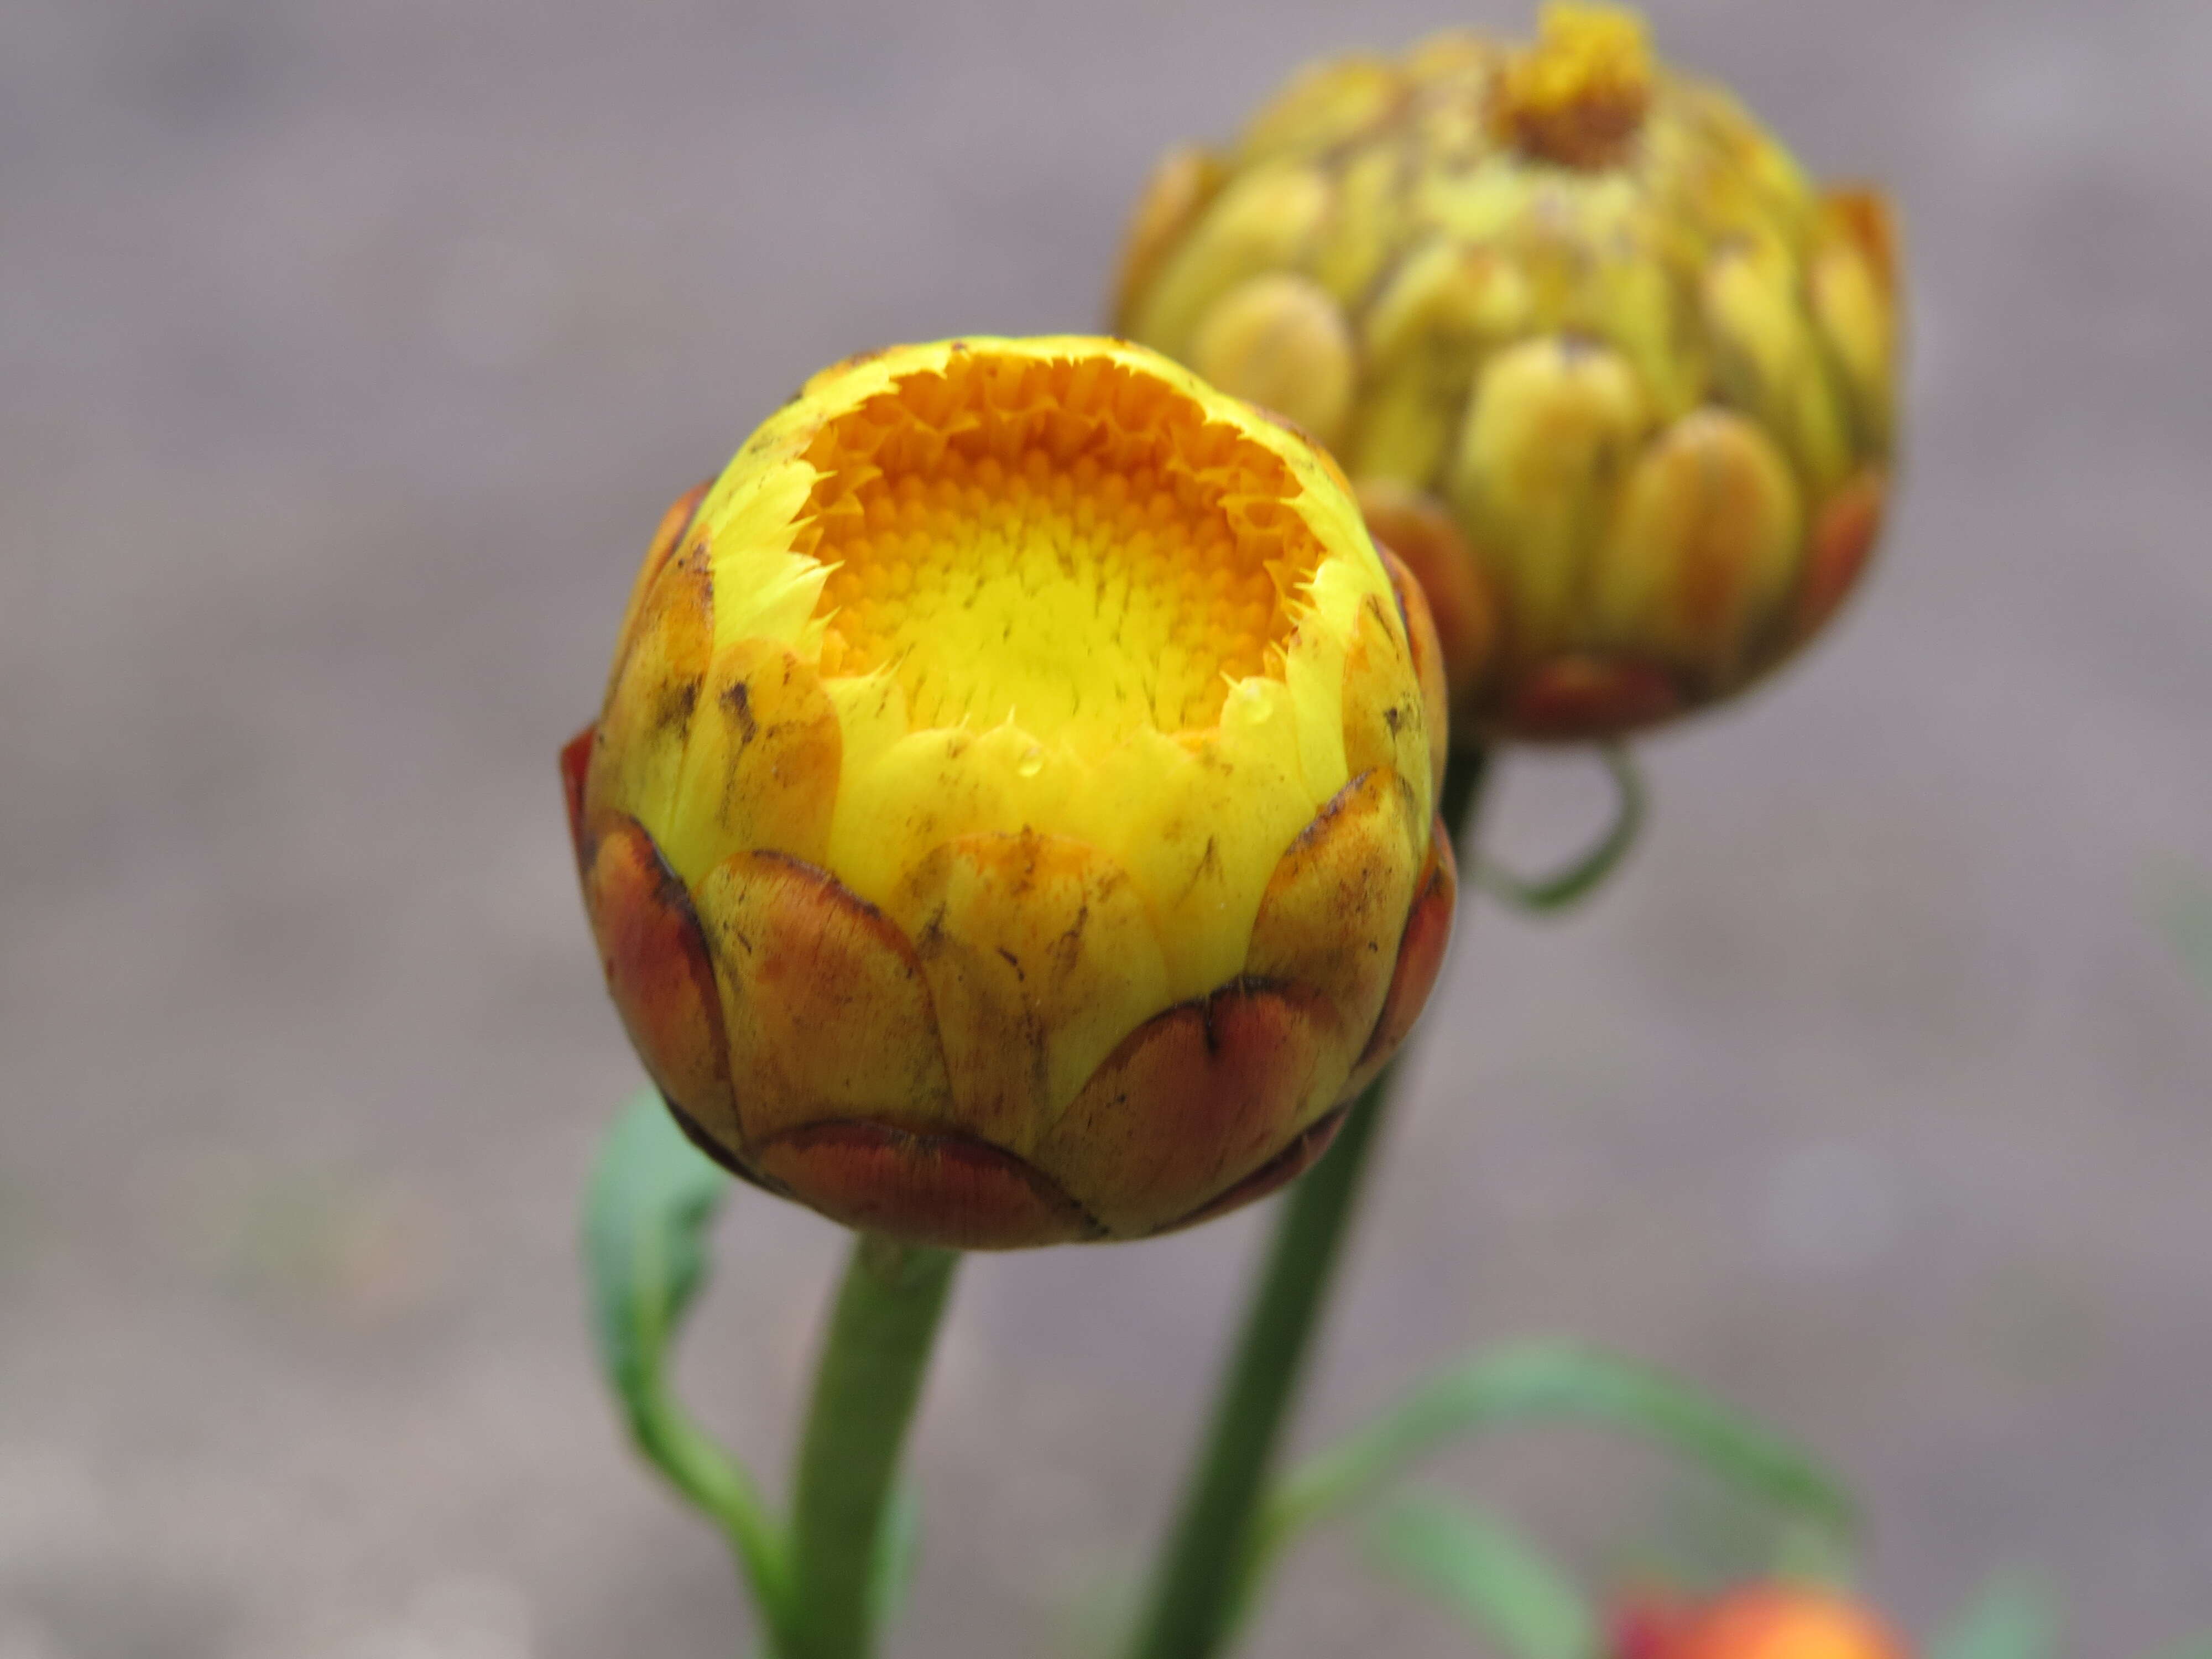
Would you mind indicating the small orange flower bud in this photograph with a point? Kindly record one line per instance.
(1011, 818)
(1765, 1621)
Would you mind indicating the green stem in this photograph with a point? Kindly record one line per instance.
(714, 1481)
(1201, 1573)
(1196, 1591)
(1588, 872)
(865, 1392)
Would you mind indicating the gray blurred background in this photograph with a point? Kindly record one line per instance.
(348, 353)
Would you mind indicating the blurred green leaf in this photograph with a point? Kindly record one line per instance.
(2013, 1616)
(1814, 1555)
(1485, 1571)
(653, 1197)
(1581, 878)
(1552, 1383)
(1694, 1531)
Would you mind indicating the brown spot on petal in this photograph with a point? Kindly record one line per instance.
(827, 1012)
(1428, 663)
(1385, 713)
(1277, 1172)
(1041, 956)
(1843, 537)
(669, 533)
(1414, 525)
(761, 762)
(667, 536)
(1574, 699)
(947, 1190)
(575, 762)
(658, 974)
(1335, 905)
(1192, 1102)
(660, 664)
(1420, 958)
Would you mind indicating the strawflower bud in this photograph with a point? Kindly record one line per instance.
(1612, 376)
(1011, 818)
(1761, 1621)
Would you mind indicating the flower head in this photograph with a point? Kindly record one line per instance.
(1611, 374)
(1012, 815)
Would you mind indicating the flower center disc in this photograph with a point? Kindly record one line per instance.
(1069, 546)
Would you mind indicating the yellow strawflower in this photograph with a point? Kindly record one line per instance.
(1011, 816)
(1611, 374)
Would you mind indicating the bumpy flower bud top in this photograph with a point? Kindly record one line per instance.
(1011, 816)
(1611, 376)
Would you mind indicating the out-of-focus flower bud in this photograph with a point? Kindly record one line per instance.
(1762, 1621)
(1611, 373)
(1011, 818)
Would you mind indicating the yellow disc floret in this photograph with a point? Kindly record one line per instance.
(1081, 588)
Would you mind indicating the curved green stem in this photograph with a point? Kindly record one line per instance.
(1199, 1586)
(1558, 891)
(651, 1200)
(865, 1392)
(711, 1479)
